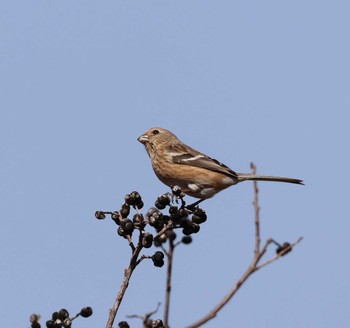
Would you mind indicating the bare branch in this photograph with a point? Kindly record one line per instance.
(169, 255)
(257, 213)
(145, 317)
(125, 283)
(254, 266)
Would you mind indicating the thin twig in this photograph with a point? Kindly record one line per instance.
(145, 317)
(253, 267)
(257, 213)
(125, 283)
(165, 229)
(169, 255)
(275, 258)
(131, 243)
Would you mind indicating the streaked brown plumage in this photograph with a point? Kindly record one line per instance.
(197, 174)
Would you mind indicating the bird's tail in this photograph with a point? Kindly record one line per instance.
(247, 176)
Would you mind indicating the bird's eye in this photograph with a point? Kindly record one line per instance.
(155, 132)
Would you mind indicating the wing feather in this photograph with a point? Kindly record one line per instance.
(190, 156)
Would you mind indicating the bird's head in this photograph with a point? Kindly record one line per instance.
(155, 138)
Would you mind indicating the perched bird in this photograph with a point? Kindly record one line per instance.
(197, 174)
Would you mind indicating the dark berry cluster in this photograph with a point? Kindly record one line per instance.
(158, 259)
(188, 219)
(162, 201)
(134, 199)
(60, 319)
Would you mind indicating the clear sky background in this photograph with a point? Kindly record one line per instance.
(263, 81)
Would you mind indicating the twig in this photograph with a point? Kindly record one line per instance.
(275, 258)
(169, 255)
(165, 229)
(253, 267)
(257, 213)
(145, 317)
(127, 275)
(131, 243)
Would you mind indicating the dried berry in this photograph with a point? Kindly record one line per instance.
(86, 312)
(176, 190)
(147, 240)
(125, 210)
(157, 324)
(283, 249)
(100, 215)
(116, 217)
(199, 216)
(127, 226)
(158, 259)
(186, 240)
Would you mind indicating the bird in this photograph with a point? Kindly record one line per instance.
(197, 174)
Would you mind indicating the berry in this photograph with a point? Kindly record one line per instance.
(116, 217)
(58, 323)
(176, 215)
(127, 226)
(86, 312)
(173, 209)
(123, 324)
(125, 210)
(157, 324)
(55, 316)
(154, 212)
(186, 224)
(67, 323)
(139, 205)
(121, 232)
(186, 240)
(157, 242)
(158, 259)
(155, 218)
(138, 220)
(163, 238)
(193, 228)
(282, 249)
(159, 263)
(129, 199)
(160, 206)
(34, 318)
(166, 218)
(134, 199)
(171, 235)
(147, 240)
(100, 215)
(162, 201)
(176, 190)
(199, 216)
(50, 324)
(63, 313)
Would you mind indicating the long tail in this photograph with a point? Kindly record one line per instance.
(247, 176)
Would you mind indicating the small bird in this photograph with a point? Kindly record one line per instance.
(197, 174)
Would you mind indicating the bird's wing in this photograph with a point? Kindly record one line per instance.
(188, 156)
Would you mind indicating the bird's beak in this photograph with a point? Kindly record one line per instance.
(143, 138)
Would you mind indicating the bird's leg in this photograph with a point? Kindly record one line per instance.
(192, 207)
(177, 194)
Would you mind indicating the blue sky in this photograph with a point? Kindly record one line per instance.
(241, 81)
